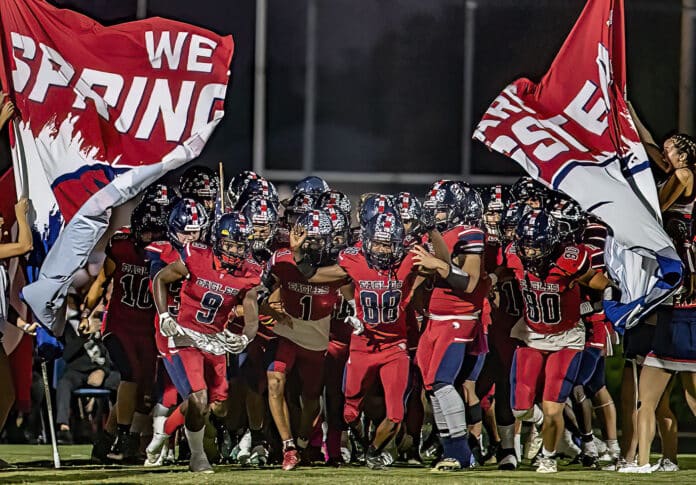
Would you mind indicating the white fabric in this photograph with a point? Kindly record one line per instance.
(308, 334)
(570, 339)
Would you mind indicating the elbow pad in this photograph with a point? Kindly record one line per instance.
(457, 279)
(306, 268)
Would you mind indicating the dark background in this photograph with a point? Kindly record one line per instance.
(390, 74)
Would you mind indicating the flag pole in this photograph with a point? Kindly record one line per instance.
(221, 175)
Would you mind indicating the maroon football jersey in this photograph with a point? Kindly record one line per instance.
(131, 307)
(210, 292)
(159, 255)
(551, 305)
(380, 298)
(340, 330)
(301, 299)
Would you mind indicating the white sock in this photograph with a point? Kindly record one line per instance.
(159, 416)
(507, 436)
(546, 453)
(195, 440)
(518, 446)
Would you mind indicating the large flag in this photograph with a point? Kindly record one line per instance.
(572, 131)
(104, 112)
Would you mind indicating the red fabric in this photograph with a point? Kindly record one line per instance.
(435, 341)
(205, 371)
(391, 366)
(551, 374)
(21, 361)
(7, 202)
(93, 53)
(310, 366)
(174, 420)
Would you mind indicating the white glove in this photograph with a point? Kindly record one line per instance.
(358, 326)
(236, 343)
(168, 325)
(353, 321)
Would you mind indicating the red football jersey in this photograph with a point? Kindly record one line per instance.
(301, 299)
(159, 255)
(380, 298)
(210, 292)
(551, 305)
(447, 301)
(131, 306)
(340, 330)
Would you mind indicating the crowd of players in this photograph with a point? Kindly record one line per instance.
(253, 330)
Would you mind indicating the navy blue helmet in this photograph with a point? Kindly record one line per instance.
(571, 219)
(334, 198)
(202, 185)
(537, 239)
(376, 204)
(237, 185)
(255, 188)
(311, 185)
(340, 233)
(148, 219)
(446, 196)
(298, 205)
(232, 236)
(383, 241)
(262, 215)
(317, 225)
(187, 215)
(162, 194)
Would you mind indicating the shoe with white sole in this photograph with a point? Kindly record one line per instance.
(665, 465)
(547, 465)
(567, 447)
(532, 445)
(244, 448)
(647, 468)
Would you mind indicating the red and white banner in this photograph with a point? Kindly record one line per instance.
(103, 112)
(572, 131)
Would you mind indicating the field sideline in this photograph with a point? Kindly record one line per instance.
(36, 463)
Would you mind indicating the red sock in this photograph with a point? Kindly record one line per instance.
(317, 437)
(174, 420)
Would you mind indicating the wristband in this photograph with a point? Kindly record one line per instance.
(457, 279)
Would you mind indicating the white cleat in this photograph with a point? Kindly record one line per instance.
(633, 468)
(533, 444)
(547, 465)
(665, 465)
(157, 450)
(244, 449)
(567, 447)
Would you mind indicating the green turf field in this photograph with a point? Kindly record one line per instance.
(35, 465)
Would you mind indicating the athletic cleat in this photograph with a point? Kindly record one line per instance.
(447, 465)
(665, 465)
(345, 454)
(259, 455)
(290, 460)
(566, 446)
(533, 444)
(157, 450)
(244, 449)
(199, 464)
(507, 460)
(634, 468)
(312, 455)
(547, 465)
(101, 447)
(375, 462)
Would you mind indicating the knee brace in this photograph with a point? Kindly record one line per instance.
(474, 414)
(452, 408)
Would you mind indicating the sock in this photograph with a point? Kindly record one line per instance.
(546, 453)
(175, 420)
(587, 438)
(195, 440)
(613, 447)
(518, 446)
(302, 442)
(123, 429)
(159, 416)
(460, 450)
(507, 436)
(288, 445)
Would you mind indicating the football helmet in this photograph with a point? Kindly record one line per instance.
(383, 241)
(187, 216)
(495, 202)
(311, 185)
(162, 194)
(148, 223)
(340, 232)
(202, 185)
(297, 206)
(530, 192)
(319, 229)
(261, 214)
(510, 220)
(411, 212)
(537, 240)
(376, 204)
(232, 236)
(444, 204)
(572, 221)
(336, 199)
(237, 185)
(254, 188)
(472, 207)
